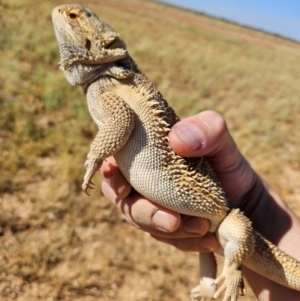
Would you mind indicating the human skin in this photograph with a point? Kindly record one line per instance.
(206, 134)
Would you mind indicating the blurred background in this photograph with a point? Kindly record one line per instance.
(279, 18)
(59, 244)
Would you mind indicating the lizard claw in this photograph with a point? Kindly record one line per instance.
(89, 186)
(85, 187)
(91, 169)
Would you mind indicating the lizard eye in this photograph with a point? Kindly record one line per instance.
(72, 16)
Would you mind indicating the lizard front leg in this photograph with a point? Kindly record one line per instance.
(112, 135)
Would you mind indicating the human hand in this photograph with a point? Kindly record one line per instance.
(205, 134)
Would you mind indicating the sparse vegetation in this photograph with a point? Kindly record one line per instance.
(59, 244)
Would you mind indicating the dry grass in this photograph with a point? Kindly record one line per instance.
(57, 243)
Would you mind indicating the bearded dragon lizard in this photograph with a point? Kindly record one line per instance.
(134, 120)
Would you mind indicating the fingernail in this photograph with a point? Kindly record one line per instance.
(161, 221)
(195, 225)
(189, 134)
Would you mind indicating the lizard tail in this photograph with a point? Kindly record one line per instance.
(269, 261)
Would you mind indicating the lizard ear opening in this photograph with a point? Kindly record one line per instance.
(88, 44)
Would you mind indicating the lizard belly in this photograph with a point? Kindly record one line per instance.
(146, 175)
(149, 177)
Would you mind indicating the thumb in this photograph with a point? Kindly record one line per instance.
(199, 135)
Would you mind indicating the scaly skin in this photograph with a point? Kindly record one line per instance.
(134, 120)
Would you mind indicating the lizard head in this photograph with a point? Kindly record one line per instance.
(85, 41)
